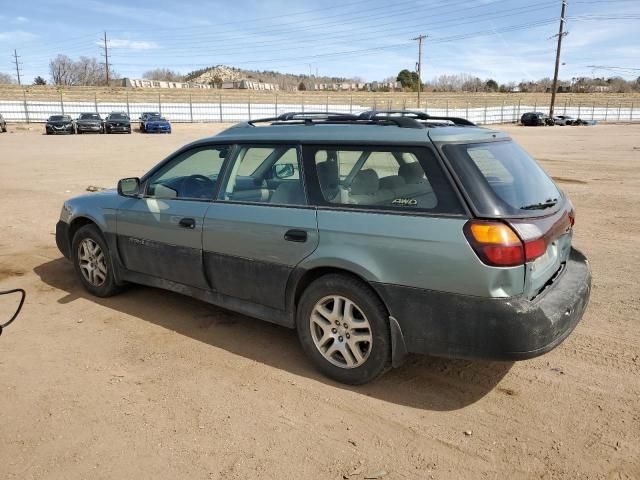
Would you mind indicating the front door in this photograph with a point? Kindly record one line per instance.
(261, 227)
(160, 234)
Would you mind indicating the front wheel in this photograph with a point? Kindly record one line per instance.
(343, 327)
(92, 262)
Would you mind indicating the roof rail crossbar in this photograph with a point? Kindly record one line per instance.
(379, 114)
(305, 117)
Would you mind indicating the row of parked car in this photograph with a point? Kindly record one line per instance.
(536, 119)
(115, 122)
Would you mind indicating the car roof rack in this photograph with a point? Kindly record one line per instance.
(415, 115)
(400, 118)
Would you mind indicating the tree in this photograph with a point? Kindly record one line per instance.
(302, 87)
(491, 85)
(85, 71)
(408, 79)
(39, 81)
(163, 74)
(6, 79)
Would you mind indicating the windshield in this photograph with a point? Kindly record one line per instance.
(118, 116)
(89, 116)
(59, 118)
(502, 179)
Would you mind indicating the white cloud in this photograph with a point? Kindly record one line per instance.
(16, 36)
(131, 44)
(21, 20)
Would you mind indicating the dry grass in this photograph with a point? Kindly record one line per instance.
(374, 100)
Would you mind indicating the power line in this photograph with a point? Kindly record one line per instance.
(16, 57)
(561, 33)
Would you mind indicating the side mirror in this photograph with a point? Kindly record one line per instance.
(284, 170)
(129, 187)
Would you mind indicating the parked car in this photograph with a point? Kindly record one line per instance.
(89, 122)
(117, 122)
(59, 124)
(156, 124)
(534, 119)
(144, 116)
(374, 236)
(3, 124)
(562, 120)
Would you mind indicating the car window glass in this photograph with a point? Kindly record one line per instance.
(193, 175)
(386, 178)
(266, 175)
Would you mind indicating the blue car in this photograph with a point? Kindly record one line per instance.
(156, 124)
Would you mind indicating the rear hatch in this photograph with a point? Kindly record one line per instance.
(504, 185)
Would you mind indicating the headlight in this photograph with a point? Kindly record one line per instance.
(65, 213)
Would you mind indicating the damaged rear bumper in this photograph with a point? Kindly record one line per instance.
(461, 326)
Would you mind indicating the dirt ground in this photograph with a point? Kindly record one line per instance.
(151, 384)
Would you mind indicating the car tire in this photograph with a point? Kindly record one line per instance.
(4, 129)
(92, 262)
(324, 340)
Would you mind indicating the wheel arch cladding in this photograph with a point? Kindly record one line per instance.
(76, 224)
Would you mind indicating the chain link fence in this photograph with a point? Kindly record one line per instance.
(223, 107)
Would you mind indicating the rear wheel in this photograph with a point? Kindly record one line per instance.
(92, 262)
(343, 327)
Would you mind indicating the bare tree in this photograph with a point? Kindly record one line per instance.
(164, 74)
(6, 79)
(85, 71)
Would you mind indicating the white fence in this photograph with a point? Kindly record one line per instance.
(38, 111)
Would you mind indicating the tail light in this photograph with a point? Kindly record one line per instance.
(498, 245)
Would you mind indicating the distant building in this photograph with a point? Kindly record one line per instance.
(355, 86)
(144, 83)
(250, 85)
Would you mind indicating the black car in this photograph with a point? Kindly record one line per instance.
(535, 119)
(3, 124)
(117, 122)
(59, 124)
(89, 122)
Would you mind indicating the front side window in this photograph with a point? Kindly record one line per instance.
(266, 174)
(192, 175)
(384, 177)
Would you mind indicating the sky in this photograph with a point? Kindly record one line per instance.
(507, 40)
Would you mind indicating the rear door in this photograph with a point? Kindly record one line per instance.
(261, 227)
(160, 234)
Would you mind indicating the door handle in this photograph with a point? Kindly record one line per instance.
(187, 223)
(296, 236)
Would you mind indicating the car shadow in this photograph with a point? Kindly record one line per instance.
(422, 382)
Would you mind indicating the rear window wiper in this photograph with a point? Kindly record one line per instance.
(540, 206)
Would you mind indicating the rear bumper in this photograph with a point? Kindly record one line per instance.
(62, 238)
(460, 326)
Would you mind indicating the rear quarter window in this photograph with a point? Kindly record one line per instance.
(381, 177)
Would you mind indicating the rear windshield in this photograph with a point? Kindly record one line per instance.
(502, 179)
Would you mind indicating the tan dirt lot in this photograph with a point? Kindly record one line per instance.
(151, 384)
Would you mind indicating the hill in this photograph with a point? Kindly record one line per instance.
(286, 81)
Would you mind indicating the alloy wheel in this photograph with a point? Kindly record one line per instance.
(341, 331)
(92, 262)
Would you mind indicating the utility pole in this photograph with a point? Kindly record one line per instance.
(106, 58)
(15, 58)
(419, 38)
(561, 33)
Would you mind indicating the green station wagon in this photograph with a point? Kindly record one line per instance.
(374, 235)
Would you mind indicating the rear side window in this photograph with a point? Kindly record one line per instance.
(501, 179)
(384, 178)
